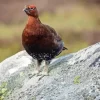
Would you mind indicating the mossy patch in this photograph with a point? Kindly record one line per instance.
(3, 90)
(77, 79)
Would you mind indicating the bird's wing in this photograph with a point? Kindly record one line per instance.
(58, 38)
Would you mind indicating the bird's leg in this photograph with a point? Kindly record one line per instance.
(45, 69)
(37, 69)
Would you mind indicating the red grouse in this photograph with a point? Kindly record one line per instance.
(39, 40)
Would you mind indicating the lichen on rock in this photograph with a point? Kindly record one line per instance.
(74, 76)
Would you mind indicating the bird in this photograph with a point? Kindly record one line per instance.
(40, 41)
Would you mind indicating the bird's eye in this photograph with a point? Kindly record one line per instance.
(32, 8)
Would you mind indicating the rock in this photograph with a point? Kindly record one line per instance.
(75, 76)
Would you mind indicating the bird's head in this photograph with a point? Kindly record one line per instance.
(31, 10)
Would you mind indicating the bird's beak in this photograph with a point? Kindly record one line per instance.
(25, 8)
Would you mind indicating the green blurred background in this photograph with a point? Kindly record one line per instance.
(77, 22)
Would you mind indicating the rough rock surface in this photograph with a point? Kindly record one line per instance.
(72, 77)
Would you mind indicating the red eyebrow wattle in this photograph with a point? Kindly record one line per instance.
(32, 6)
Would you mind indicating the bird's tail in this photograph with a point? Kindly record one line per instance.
(64, 48)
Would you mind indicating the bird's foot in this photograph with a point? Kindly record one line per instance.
(45, 70)
(44, 73)
(36, 72)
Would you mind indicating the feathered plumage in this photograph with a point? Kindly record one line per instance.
(39, 40)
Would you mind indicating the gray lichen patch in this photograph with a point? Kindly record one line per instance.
(72, 77)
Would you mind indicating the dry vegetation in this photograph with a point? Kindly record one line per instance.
(77, 22)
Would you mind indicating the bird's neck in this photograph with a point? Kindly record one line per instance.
(33, 21)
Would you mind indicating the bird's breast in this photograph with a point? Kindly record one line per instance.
(37, 39)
